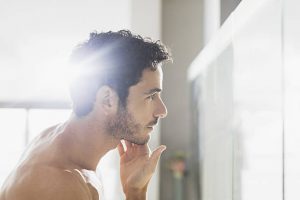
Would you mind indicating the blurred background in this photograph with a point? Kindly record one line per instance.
(232, 92)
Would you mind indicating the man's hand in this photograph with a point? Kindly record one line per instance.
(137, 165)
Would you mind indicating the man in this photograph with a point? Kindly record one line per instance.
(116, 97)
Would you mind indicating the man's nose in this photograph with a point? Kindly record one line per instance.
(161, 110)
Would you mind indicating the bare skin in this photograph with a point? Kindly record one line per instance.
(53, 165)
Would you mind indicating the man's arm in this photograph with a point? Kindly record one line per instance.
(137, 165)
(47, 184)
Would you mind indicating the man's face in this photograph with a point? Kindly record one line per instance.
(144, 107)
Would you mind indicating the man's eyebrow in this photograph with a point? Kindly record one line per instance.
(154, 90)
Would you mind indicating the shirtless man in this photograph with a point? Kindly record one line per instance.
(116, 97)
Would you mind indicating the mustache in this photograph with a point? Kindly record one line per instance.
(153, 123)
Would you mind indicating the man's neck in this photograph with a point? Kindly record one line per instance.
(85, 142)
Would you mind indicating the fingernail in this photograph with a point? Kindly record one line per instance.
(163, 148)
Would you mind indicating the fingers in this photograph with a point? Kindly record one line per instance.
(129, 145)
(121, 149)
(124, 146)
(156, 155)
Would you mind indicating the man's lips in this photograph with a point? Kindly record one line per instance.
(153, 123)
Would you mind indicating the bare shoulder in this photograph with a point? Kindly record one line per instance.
(43, 182)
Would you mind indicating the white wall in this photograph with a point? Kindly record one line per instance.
(182, 32)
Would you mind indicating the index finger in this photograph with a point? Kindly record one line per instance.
(121, 149)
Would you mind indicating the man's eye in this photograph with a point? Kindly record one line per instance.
(151, 97)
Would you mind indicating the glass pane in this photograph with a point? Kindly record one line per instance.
(12, 143)
(240, 113)
(292, 98)
(258, 103)
(215, 130)
(41, 119)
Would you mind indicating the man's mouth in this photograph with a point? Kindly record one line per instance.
(152, 124)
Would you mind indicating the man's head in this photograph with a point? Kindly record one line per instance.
(115, 59)
(128, 66)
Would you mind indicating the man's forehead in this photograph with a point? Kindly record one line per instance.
(150, 81)
(152, 75)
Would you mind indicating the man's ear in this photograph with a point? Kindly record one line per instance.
(107, 99)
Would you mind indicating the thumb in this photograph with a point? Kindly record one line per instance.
(156, 155)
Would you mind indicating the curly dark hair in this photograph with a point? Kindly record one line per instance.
(116, 59)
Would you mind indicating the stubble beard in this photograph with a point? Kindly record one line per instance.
(123, 126)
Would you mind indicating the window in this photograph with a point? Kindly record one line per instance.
(12, 143)
(18, 127)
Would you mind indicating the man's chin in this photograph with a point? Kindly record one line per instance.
(139, 141)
